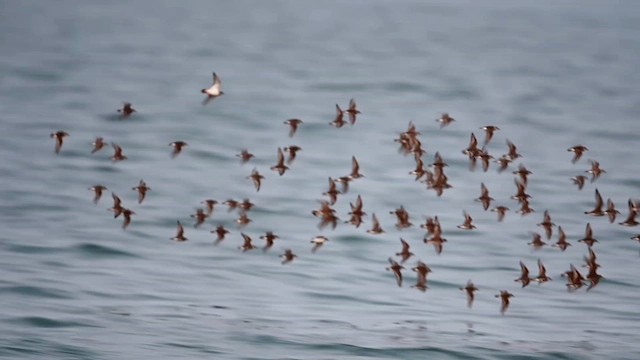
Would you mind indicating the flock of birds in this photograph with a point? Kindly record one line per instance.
(432, 175)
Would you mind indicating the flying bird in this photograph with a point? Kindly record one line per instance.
(214, 91)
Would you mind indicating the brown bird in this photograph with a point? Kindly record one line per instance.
(59, 137)
(537, 242)
(256, 177)
(293, 125)
(214, 91)
(469, 289)
(404, 253)
(575, 280)
(118, 155)
(595, 170)
(246, 205)
(445, 120)
(521, 194)
(631, 218)
(590, 261)
(593, 277)
(126, 213)
(243, 219)
(292, 150)
(142, 189)
(513, 151)
(437, 241)
(488, 132)
(352, 112)
(432, 225)
(97, 191)
(403, 218)
(375, 227)
(597, 210)
(422, 269)
(344, 181)
(269, 238)
(421, 283)
(524, 173)
(317, 242)
(209, 203)
(288, 256)
(244, 155)
(326, 214)
(338, 122)
(501, 211)
(280, 167)
(525, 208)
(126, 110)
(504, 162)
(577, 151)
(419, 170)
(220, 231)
(542, 273)
(524, 275)
(484, 198)
(562, 240)
(611, 211)
(232, 204)
(200, 217)
(332, 193)
(356, 213)
(472, 150)
(579, 181)
(467, 225)
(98, 144)
(395, 267)
(504, 297)
(117, 205)
(485, 158)
(547, 224)
(588, 236)
(179, 234)
(355, 169)
(177, 147)
(247, 245)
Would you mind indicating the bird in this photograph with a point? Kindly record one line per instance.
(142, 189)
(484, 198)
(595, 170)
(352, 112)
(593, 277)
(126, 213)
(200, 217)
(292, 150)
(524, 173)
(445, 120)
(577, 151)
(524, 275)
(177, 147)
(293, 125)
(611, 211)
(488, 131)
(355, 169)
(501, 211)
(98, 144)
(256, 177)
(513, 151)
(467, 225)
(97, 190)
(597, 210)
(575, 280)
(537, 242)
(209, 203)
(269, 237)
(220, 232)
(244, 155)
(375, 227)
(395, 267)
(117, 205)
(317, 242)
(403, 218)
(631, 218)
(243, 219)
(469, 289)
(231, 204)
(437, 241)
(356, 212)
(59, 137)
(333, 192)
(280, 167)
(214, 91)
(326, 214)
(588, 236)
(404, 253)
(562, 240)
(504, 297)
(338, 122)
(246, 245)
(126, 110)
(547, 224)
(117, 155)
(180, 233)
(579, 180)
(288, 256)
(542, 273)
(504, 162)
(246, 205)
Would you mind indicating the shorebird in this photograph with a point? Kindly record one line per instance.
(126, 213)
(562, 240)
(403, 217)
(375, 227)
(352, 112)
(631, 218)
(220, 232)
(547, 224)
(524, 275)
(280, 167)
(98, 144)
(292, 150)
(501, 211)
(126, 110)
(293, 125)
(504, 162)
(243, 219)
(59, 137)
(117, 206)
(595, 170)
(177, 147)
(246, 245)
(504, 297)
(524, 173)
(611, 211)
(467, 225)
(338, 122)
(317, 242)
(593, 277)
(269, 238)
(117, 155)
(332, 193)
(355, 169)
(513, 151)
(579, 180)
(142, 189)
(542, 273)
(214, 91)
(469, 289)
(577, 151)
(588, 236)
(231, 204)
(597, 210)
(200, 217)
(179, 234)
(445, 120)
(489, 130)
(437, 241)
(404, 253)
(244, 155)
(356, 213)
(256, 177)
(97, 191)
(484, 198)
(288, 256)
(537, 242)
(326, 214)
(395, 267)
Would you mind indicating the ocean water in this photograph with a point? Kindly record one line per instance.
(75, 285)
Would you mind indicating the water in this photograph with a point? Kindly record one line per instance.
(76, 286)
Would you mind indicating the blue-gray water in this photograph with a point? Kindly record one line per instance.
(76, 286)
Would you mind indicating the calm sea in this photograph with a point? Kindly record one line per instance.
(75, 285)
